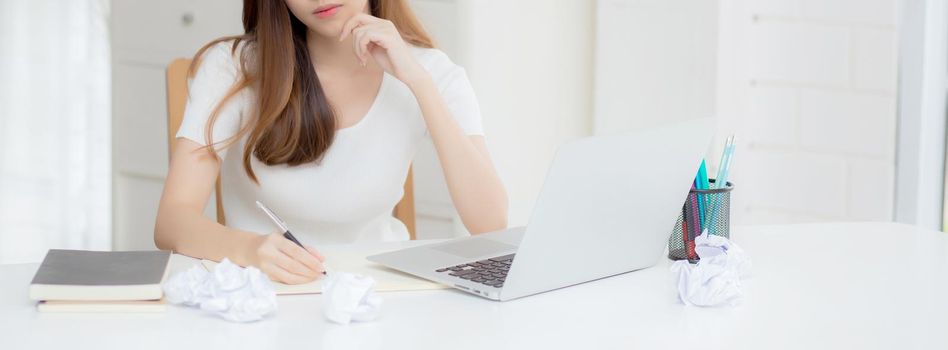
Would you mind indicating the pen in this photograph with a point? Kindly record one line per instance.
(724, 167)
(281, 224)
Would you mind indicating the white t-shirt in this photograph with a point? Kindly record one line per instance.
(350, 194)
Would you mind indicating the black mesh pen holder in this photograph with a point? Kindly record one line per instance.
(704, 209)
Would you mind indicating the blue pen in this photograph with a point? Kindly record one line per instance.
(724, 167)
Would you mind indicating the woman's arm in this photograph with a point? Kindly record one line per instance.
(182, 227)
(476, 190)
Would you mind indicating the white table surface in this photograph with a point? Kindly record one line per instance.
(841, 286)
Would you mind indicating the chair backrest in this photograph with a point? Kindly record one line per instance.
(177, 86)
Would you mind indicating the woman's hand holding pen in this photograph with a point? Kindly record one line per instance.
(286, 262)
(378, 38)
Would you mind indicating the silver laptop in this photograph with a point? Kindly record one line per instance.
(607, 207)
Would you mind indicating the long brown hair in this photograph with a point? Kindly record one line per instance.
(293, 123)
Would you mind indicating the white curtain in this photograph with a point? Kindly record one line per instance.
(55, 158)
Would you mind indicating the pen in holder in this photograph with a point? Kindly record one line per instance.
(704, 209)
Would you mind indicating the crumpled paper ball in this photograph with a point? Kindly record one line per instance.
(716, 278)
(232, 292)
(350, 297)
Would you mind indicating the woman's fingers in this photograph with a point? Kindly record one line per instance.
(275, 256)
(355, 22)
(364, 36)
(287, 255)
(356, 45)
(279, 274)
(294, 266)
(358, 41)
(284, 261)
(364, 42)
(302, 256)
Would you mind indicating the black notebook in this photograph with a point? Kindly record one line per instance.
(82, 275)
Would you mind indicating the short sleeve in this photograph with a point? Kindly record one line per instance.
(456, 90)
(214, 77)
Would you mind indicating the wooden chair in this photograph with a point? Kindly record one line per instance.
(177, 86)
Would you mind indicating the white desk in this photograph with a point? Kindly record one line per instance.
(841, 286)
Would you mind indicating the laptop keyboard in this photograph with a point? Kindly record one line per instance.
(490, 272)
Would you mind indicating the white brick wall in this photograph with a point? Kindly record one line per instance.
(789, 51)
(809, 88)
(847, 123)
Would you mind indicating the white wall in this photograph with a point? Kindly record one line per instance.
(655, 62)
(809, 87)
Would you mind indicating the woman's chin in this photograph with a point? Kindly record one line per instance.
(327, 30)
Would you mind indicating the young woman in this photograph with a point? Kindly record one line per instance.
(317, 111)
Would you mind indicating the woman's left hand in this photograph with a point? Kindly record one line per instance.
(378, 38)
